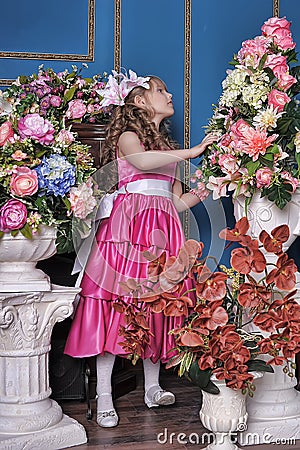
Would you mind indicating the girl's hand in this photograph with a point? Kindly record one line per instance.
(200, 148)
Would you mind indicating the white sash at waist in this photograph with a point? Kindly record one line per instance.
(147, 186)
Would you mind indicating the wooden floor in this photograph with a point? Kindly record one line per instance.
(141, 428)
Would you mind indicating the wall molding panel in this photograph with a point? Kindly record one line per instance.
(276, 8)
(187, 104)
(89, 56)
(117, 34)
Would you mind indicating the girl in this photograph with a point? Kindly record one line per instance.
(143, 217)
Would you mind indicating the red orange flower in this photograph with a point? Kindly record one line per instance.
(210, 286)
(245, 260)
(284, 276)
(279, 236)
(252, 295)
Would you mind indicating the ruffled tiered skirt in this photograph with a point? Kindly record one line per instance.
(137, 223)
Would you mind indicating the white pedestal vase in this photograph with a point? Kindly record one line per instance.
(265, 215)
(28, 417)
(274, 411)
(18, 259)
(224, 414)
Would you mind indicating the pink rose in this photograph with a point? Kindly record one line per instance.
(286, 81)
(76, 109)
(13, 215)
(37, 128)
(238, 129)
(6, 132)
(278, 64)
(278, 99)
(263, 177)
(279, 30)
(24, 182)
(65, 137)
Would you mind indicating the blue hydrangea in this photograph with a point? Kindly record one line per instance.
(56, 175)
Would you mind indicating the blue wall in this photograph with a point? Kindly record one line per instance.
(152, 42)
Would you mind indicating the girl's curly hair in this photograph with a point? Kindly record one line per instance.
(129, 117)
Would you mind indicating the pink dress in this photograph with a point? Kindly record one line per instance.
(137, 223)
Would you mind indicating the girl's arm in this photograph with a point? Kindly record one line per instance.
(182, 201)
(130, 147)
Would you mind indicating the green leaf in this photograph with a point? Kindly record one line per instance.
(262, 61)
(297, 155)
(69, 94)
(258, 365)
(211, 388)
(66, 202)
(199, 377)
(252, 167)
(1, 234)
(279, 194)
(26, 231)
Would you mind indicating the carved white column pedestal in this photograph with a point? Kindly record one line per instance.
(28, 417)
(274, 411)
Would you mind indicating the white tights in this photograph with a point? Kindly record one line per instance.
(105, 364)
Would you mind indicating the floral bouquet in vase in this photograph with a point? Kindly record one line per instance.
(217, 339)
(45, 171)
(258, 119)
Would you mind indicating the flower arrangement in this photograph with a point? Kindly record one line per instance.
(62, 95)
(258, 119)
(239, 312)
(45, 172)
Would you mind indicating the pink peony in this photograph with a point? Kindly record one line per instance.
(24, 182)
(263, 177)
(37, 128)
(13, 215)
(252, 51)
(55, 101)
(6, 132)
(82, 200)
(278, 99)
(65, 137)
(255, 142)
(279, 30)
(76, 109)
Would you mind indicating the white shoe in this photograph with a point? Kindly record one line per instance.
(156, 396)
(107, 419)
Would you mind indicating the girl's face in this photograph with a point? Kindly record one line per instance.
(160, 100)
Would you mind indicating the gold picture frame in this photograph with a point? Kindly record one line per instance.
(60, 56)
